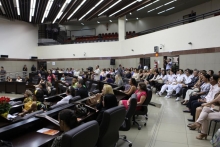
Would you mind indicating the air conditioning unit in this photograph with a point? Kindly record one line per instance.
(3, 56)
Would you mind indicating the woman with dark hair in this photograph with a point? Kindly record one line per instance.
(155, 78)
(51, 77)
(141, 96)
(132, 87)
(160, 82)
(108, 79)
(8, 79)
(67, 120)
(109, 101)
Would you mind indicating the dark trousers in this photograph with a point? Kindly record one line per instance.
(194, 105)
(158, 86)
(184, 90)
(192, 98)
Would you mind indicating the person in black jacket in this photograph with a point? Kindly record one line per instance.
(81, 90)
(191, 84)
(150, 76)
(109, 101)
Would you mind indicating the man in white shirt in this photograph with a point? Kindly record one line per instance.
(169, 64)
(97, 73)
(66, 99)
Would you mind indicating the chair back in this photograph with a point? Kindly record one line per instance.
(88, 84)
(144, 109)
(53, 92)
(129, 113)
(109, 127)
(69, 80)
(93, 87)
(85, 135)
(74, 99)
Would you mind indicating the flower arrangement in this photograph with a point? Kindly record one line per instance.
(4, 106)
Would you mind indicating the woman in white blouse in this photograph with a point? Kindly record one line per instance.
(18, 79)
(136, 75)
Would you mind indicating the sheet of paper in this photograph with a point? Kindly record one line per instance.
(48, 131)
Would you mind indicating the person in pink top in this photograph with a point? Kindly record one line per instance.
(51, 77)
(141, 96)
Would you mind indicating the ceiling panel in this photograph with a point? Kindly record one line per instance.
(10, 8)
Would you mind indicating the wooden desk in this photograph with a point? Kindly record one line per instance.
(10, 87)
(2, 86)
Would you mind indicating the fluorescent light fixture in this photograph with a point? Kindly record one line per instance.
(18, 8)
(170, 2)
(82, 24)
(137, 18)
(166, 10)
(147, 5)
(122, 8)
(92, 9)
(151, 10)
(1, 7)
(98, 22)
(109, 7)
(110, 20)
(76, 9)
(32, 9)
(62, 10)
(47, 10)
(159, 7)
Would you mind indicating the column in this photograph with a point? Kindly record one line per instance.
(121, 28)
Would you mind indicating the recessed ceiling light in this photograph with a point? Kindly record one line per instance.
(110, 20)
(76, 9)
(126, 19)
(136, 18)
(130, 13)
(123, 8)
(109, 7)
(147, 5)
(98, 22)
(47, 10)
(92, 9)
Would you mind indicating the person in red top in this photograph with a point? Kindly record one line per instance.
(141, 96)
(51, 77)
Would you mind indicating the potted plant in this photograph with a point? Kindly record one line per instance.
(4, 106)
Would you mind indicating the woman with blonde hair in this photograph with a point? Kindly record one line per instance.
(107, 89)
(118, 80)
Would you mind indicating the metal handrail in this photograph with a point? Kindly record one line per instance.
(179, 22)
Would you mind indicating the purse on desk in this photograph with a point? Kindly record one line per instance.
(81, 110)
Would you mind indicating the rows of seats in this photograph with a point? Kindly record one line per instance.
(131, 34)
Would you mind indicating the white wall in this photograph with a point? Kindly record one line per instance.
(18, 39)
(202, 34)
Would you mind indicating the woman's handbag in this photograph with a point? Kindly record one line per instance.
(93, 100)
(81, 110)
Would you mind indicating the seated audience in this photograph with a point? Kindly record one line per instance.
(63, 78)
(8, 79)
(18, 79)
(128, 74)
(81, 89)
(140, 73)
(190, 86)
(150, 75)
(70, 93)
(109, 79)
(35, 104)
(51, 77)
(27, 96)
(141, 96)
(160, 82)
(44, 89)
(136, 75)
(67, 120)
(211, 72)
(109, 101)
(132, 87)
(196, 100)
(118, 80)
(156, 77)
(170, 79)
(48, 87)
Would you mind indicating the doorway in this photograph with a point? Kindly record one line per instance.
(145, 62)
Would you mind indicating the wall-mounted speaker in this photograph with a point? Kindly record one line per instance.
(33, 57)
(156, 49)
(112, 62)
(3, 56)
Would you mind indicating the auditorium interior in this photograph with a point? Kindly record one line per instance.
(110, 73)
